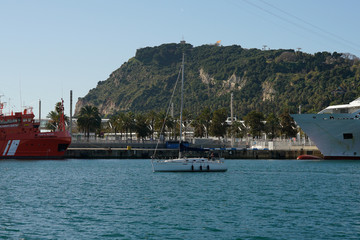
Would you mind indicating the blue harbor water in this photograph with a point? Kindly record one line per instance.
(124, 199)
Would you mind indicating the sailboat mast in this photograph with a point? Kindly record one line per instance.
(182, 101)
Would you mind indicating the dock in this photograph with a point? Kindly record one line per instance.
(140, 151)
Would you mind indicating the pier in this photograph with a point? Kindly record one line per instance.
(146, 151)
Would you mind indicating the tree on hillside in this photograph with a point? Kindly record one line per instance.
(283, 76)
(255, 122)
(89, 120)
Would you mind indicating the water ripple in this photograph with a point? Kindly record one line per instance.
(123, 199)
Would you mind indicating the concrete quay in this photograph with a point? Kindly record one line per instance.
(134, 151)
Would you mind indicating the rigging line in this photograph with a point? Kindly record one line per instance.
(267, 20)
(294, 23)
(168, 110)
(278, 16)
(310, 24)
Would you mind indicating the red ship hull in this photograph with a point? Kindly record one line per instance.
(39, 145)
(308, 157)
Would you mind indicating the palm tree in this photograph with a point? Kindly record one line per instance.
(186, 120)
(142, 127)
(199, 129)
(205, 119)
(272, 126)
(170, 124)
(113, 125)
(237, 129)
(255, 122)
(120, 123)
(129, 123)
(163, 123)
(89, 120)
(54, 117)
(288, 126)
(218, 124)
(151, 118)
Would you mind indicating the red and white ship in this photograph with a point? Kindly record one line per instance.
(20, 137)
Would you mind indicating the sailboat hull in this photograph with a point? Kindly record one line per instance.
(183, 164)
(189, 165)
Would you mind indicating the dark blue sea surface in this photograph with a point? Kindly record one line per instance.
(124, 199)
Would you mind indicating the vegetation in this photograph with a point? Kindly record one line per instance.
(54, 118)
(255, 125)
(288, 127)
(89, 120)
(263, 81)
(272, 126)
(142, 128)
(267, 86)
(218, 124)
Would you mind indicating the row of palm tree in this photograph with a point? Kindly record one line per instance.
(207, 123)
(144, 125)
(257, 124)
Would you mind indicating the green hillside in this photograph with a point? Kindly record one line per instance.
(262, 80)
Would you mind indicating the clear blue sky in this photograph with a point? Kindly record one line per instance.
(48, 48)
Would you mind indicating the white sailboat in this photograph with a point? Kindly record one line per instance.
(182, 163)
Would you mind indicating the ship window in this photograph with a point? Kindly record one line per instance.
(348, 136)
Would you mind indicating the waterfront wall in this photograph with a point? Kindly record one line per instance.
(146, 153)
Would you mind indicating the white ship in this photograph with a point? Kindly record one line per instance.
(335, 130)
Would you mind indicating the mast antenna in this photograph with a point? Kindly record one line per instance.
(182, 101)
(2, 104)
(21, 105)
